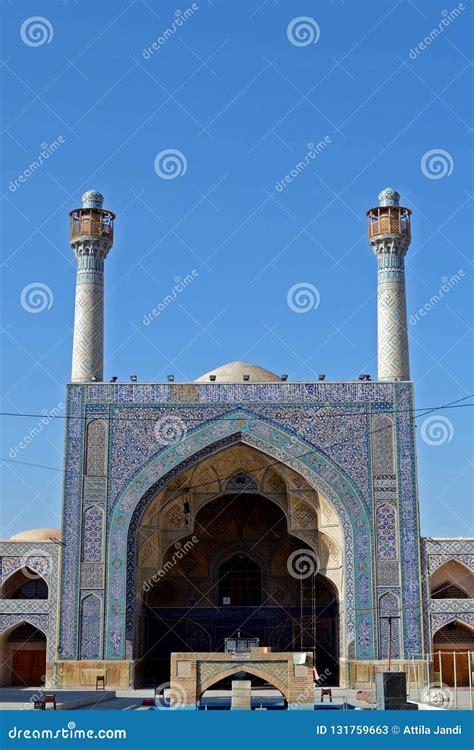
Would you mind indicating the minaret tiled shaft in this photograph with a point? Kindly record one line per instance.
(91, 240)
(390, 236)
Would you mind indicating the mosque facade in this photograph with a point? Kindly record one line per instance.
(286, 512)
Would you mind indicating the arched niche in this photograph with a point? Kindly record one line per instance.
(389, 625)
(448, 577)
(91, 627)
(25, 583)
(273, 443)
(96, 452)
(383, 439)
(23, 648)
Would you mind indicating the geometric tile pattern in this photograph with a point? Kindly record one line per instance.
(388, 573)
(88, 350)
(95, 456)
(92, 531)
(290, 423)
(439, 620)
(88, 339)
(408, 526)
(386, 532)
(389, 606)
(392, 317)
(91, 606)
(36, 563)
(385, 487)
(92, 576)
(382, 445)
(39, 621)
(95, 490)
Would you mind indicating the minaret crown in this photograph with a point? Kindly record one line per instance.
(92, 226)
(389, 224)
(389, 197)
(92, 199)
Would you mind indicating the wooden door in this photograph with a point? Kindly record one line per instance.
(447, 664)
(28, 667)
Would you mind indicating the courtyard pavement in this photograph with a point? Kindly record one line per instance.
(126, 700)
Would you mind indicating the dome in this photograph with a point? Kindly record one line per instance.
(389, 197)
(92, 199)
(37, 535)
(234, 372)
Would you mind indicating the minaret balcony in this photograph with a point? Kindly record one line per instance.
(389, 220)
(90, 222)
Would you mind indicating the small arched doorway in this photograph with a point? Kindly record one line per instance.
(453, 645)
(23, 651)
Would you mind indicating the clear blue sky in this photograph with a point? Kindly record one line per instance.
(241, 102)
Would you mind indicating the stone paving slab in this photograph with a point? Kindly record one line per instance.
(22, 699)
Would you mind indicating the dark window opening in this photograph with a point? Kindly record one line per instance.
(240, 583)
(449, 590)
(25, 584)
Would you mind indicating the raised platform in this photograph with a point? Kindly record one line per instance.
(83, 674)
(193, 673)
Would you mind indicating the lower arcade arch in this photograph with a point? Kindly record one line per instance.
(237, 572)
(258, 678)
(23, 656)
(453, 647)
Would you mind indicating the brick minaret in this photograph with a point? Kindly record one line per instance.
(91, 239)
(390, 237)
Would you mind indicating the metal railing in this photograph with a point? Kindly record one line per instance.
(92, 223)
(442, 679)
